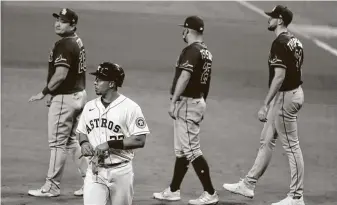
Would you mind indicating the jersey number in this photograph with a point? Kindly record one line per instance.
(206, 72)
(206, 68)
(298, 56)
(82, 64)
(119, 137)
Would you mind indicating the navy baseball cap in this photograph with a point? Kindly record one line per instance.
(195, 23)
(282, 12)
(67, 15)
(108, 71)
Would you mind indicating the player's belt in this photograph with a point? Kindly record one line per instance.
(113, 164)
(289, 89)
(193, 97)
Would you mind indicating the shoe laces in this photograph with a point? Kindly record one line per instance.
(203, 196)
(166, 192)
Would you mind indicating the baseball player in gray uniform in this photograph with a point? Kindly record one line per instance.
(189, 92)
(279, 112)
(66, 86)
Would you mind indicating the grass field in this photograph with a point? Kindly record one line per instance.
(144, 38)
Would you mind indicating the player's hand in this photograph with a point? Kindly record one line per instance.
(100, 149)
(36, 97)
(171, 110)
(262, 114)
(48, 102)
(87, 150)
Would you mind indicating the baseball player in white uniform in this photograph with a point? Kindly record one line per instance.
(110, 127)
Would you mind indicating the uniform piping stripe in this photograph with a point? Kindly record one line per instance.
(292, 152)
(188, 132)
(117, 103)
(56, 134)
(187, 69)
(278, 65)
(99, 113)
(62, 64)
(140, 133)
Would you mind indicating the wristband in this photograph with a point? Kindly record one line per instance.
(82, 142)
(45, 90)
(116, 144)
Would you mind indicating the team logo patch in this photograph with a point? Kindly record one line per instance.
(64, 11)
(140, 122)
(60, 59)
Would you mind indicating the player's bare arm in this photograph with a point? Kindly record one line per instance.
(58, 77)
(86, 147)
(274, 88)
(180, 87)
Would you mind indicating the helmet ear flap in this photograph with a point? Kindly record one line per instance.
(121, 76)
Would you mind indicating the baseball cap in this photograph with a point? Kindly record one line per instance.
(67, 15)
(195, 23)
(108, 71)
(282, 12)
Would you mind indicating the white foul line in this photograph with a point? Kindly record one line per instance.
(292, 28)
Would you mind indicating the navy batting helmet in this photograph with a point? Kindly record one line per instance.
(110, 72)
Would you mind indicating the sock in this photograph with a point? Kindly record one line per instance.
(201, 168)
(180, 169)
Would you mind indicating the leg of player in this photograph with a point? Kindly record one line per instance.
(74, 148)
(60, 124)
(187, 149)
(172, 193)
(95, 190)
(58, 133)
(121, 190)
(286, 125)
(246, 186)
(81, 164)
(192, 117)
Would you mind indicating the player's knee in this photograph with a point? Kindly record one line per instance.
(179, 153)
(291, 146)
(266, 142)
(193, 154)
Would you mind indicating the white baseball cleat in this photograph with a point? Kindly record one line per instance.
(42, 193)
(205, 199)
(79, 192)
(167, 195)
(240, 188)
(290, 201)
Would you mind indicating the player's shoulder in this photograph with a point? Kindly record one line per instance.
(196, 46)
(284, 38)
(91, 104)
(194, 49)
(70, 42)
(128, 102)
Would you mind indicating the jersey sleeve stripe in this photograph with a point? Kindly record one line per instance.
(141, 133)
(62, 64)
(278, 65)
(187, 69)
(276, 60)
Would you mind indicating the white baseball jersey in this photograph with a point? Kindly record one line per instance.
(121, 119)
